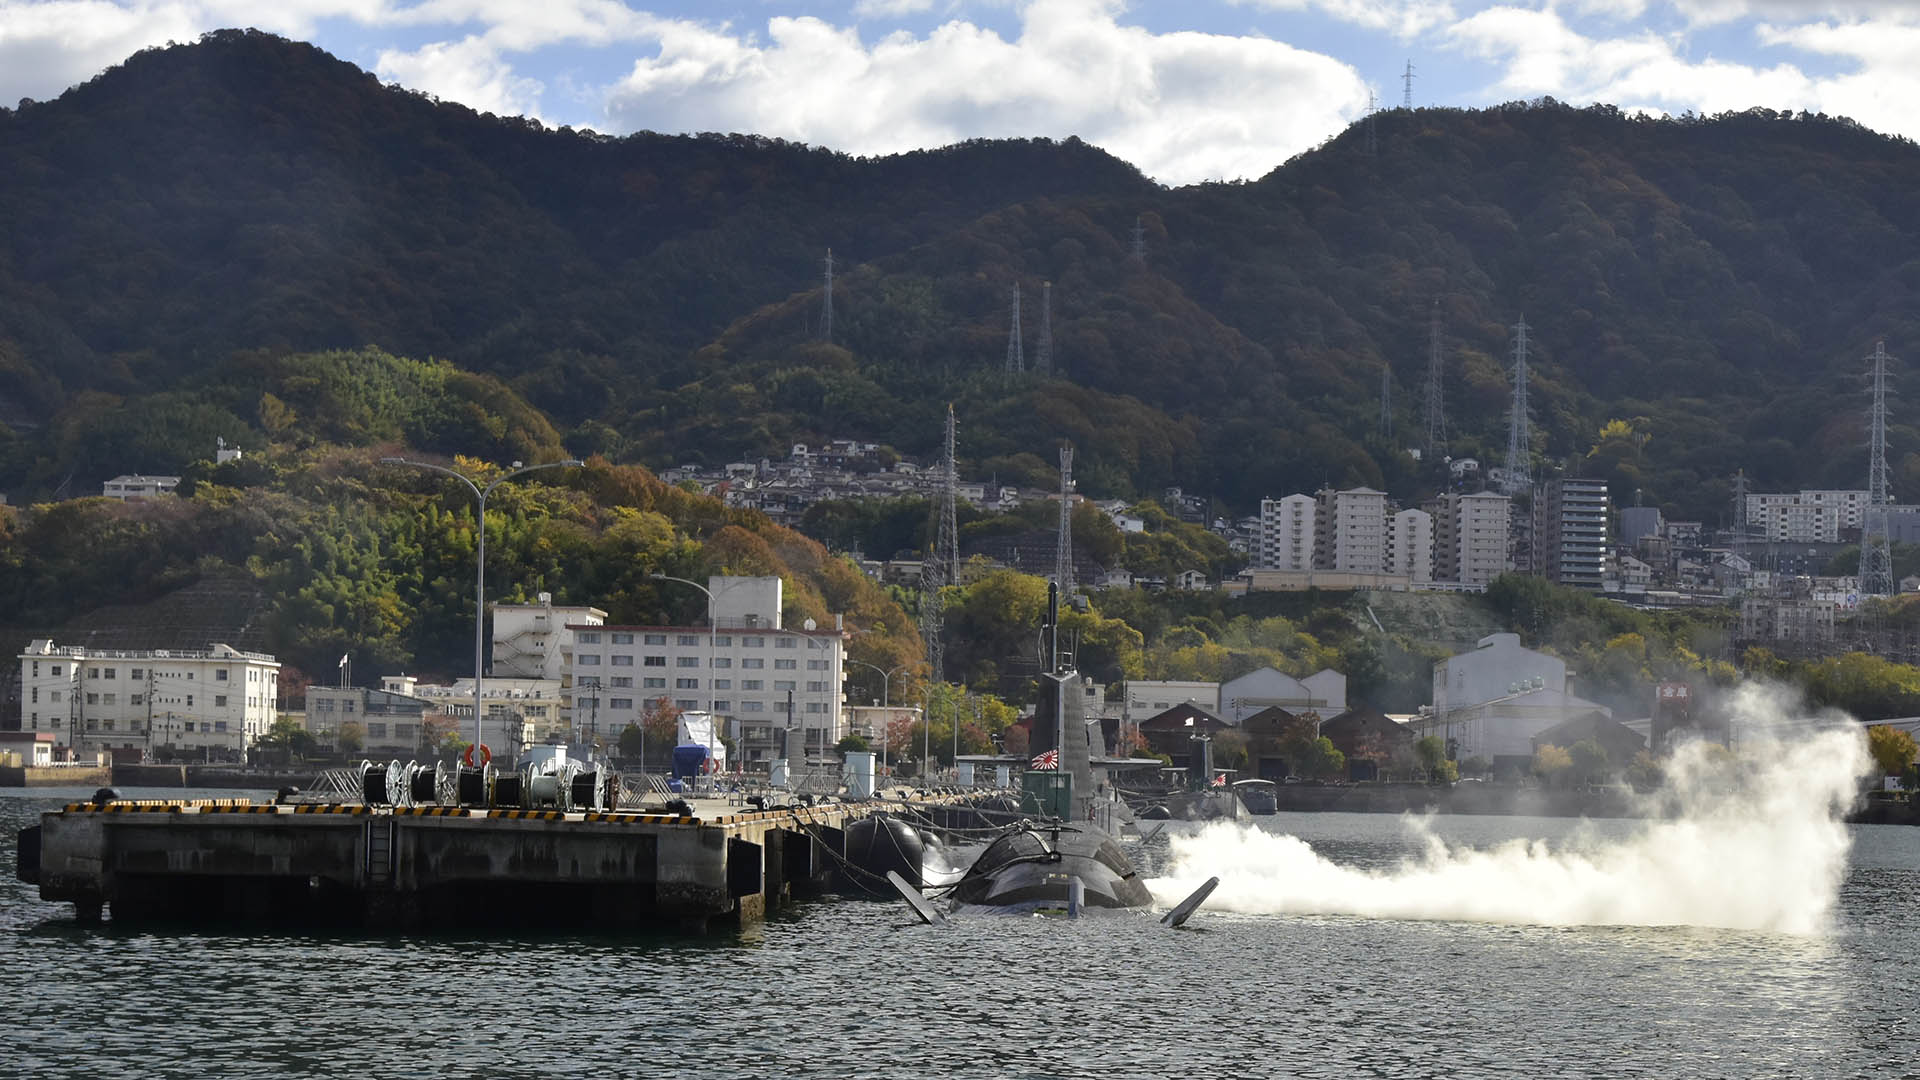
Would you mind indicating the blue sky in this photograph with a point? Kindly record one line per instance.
(1192, 91)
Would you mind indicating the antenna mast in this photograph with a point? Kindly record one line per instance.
(1876, 556)
(1016, 354)
(1436, 389)
(1138, 249)
(826, 315)
(1063, 573)
(1043, 348)
(1519, 435)
(1373, 139)
(1406, 97)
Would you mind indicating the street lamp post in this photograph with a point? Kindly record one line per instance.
(711, 631)
(886, 702)
(480, 560)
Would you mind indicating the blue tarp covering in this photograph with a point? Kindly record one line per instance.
(688, 759)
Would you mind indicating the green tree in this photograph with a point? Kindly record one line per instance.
(1891, 748)
(349, 737)
(1550, 763)
(1589, 760)
(1431, 751)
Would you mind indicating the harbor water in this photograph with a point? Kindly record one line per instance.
(847, 988)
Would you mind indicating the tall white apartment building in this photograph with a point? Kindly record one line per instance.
(1410, 545)
(1287, 533)
(530, 640)
(762, 677)
(1470, 537)
(1352, 531)
(215, 701)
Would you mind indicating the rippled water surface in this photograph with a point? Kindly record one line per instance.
(844, 988)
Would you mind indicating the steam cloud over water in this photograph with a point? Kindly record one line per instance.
(1755, 845)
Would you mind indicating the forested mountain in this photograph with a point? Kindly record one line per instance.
(174, 230)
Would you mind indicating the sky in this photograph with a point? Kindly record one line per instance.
(1187, 91)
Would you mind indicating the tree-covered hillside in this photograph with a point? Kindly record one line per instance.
(177, 223)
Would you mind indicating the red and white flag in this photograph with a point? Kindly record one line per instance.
(1048, 760)
(1220, 781)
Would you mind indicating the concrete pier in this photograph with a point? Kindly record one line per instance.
(431, 866)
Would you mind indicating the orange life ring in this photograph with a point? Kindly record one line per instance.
(486, 756)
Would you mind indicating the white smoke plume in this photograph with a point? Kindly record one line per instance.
(1752, 841)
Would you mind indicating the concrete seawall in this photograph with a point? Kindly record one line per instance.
(412, 867)
(32, 776)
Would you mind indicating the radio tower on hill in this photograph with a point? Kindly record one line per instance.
(1519, 434)
(1436, 389)
(942, 566)
(826, 314)
(1063, 573)
(1373, 139)
(1137, 248)
(1406, 97)
(1043, 347)
(1016, 353)
(1876, 556)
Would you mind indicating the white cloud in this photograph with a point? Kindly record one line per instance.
(1537, 52)
(469, 71)
(869, 9)
(1182, 106)
(1404, 19)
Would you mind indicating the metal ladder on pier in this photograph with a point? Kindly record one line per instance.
(379, 852)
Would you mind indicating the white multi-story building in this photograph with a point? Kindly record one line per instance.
(519, 712)
(1410, 545)
(1470, 534)
(215, 701)
(1351, 531)
(530, 640)
(748, 668)
(1286, 533)
(1809, 517)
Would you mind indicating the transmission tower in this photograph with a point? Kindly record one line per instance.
(1138, 249)
(1043, 348)
(1063, 573)
(1436, 389)
(826, 315)
(942, 566)
(1386, 399)
(1740, 485)
(1016, 353)
(1406, 97)
(1373, 139)
(1876, 556)
(1519, 435)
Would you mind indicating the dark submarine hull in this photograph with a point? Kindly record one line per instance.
(1034, 870)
